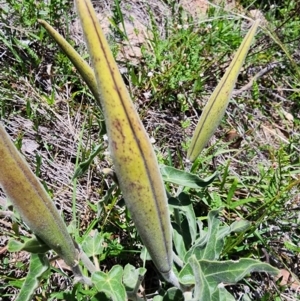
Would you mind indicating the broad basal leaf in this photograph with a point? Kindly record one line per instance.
(131, 276)
(32, 245)
(111, 283)
(93, 245)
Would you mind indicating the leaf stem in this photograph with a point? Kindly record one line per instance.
(87, 262)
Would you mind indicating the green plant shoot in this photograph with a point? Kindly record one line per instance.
(216, 106)
(31, 200)
(130, 148)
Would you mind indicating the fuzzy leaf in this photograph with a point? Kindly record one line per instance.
(240, 226)
(210, 276)
(184, 204)
(38, 265)
(80, 64)
(179, 243)
(209, 245)
(183, 178)
(132, 275)
(110, 283)
(215, 108)
(173, 294)
(93, 245)
(32, 202)
(221, 294)
(134, 159)
(233, 271)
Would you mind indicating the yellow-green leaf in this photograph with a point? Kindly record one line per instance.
(216, 106)
(130, 148)
(31, 200)
(80, 64)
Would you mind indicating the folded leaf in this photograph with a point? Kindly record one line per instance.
(130, 148)
(31, 200)
(80, 64)
(215, 108)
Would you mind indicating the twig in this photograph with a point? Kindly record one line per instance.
(254, 78)
(279, 97)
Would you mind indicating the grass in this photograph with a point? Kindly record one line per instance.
(52, 117)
